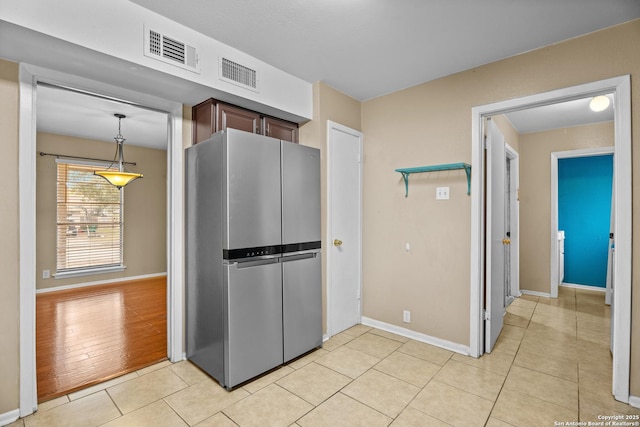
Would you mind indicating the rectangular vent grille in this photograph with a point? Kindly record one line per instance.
(238, 74)
(155, 43)
(171, 50)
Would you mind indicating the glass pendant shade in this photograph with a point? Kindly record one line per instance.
(118, 177)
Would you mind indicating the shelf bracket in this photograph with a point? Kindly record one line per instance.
(435, 168)
(405, 176)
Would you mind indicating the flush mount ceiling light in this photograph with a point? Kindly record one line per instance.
(120, 177)
(599, 103)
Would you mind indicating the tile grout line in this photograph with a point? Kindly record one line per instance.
(575, 301)
(509, 371)
(422, 388)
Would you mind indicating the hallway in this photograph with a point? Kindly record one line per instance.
(551, 364)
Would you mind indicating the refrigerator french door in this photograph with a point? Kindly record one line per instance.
(254, 319)
(301, 262)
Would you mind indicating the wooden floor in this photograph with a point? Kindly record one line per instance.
(88, 335)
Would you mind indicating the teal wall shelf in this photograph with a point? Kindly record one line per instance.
(435, 168)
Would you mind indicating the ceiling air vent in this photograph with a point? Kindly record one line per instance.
(170, 50)
(238, 74)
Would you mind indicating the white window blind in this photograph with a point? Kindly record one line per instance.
(89, 220)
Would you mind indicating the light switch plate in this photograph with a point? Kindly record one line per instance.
(442, 193)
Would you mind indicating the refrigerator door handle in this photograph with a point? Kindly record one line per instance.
(256, 262)
(297, 257)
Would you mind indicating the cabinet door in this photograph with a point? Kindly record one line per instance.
(281, 129)
(204, 120)
(237, 118)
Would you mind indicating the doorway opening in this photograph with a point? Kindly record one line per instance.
(620, 87)
(101, 252)
(557, 248)
(30, 77)
(584, 216)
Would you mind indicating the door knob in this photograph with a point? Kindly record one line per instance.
(337, 242)
(506, 241)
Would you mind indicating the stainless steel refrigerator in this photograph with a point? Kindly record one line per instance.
(253, 268)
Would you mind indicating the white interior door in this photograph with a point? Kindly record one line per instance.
(344, 253)
(496, 238)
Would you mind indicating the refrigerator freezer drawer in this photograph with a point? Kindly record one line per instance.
(254, 320)
(302, 304)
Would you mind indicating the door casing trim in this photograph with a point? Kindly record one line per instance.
(29, 77)
(514, 157)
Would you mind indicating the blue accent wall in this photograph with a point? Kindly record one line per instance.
(584, 213)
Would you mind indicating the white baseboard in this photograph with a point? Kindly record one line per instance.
(535, 293)
(634, 401)
(9, 417)
(583, 287)
(428, 339)
(99, 282)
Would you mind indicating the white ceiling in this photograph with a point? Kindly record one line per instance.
(556, 116)
(367, 48)
(364, 48)
(65, 112)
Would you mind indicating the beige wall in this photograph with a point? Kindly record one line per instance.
(425, 125)
(9, 259)
(535, 194)
(328, 104)
(431, 124)
(511, 136)
(145, 208)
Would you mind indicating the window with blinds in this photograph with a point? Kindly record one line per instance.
(89, 220)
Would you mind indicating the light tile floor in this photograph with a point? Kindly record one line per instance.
(551, 364)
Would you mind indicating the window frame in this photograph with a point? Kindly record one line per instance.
(62, 273)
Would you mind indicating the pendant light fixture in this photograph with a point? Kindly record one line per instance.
(120, 177)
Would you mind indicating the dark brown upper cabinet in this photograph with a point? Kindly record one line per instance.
(212, 116)
(280, 129)
(233, 117)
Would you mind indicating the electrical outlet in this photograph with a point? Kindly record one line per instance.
(46, 274)
(406, 316)
(442, 193)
